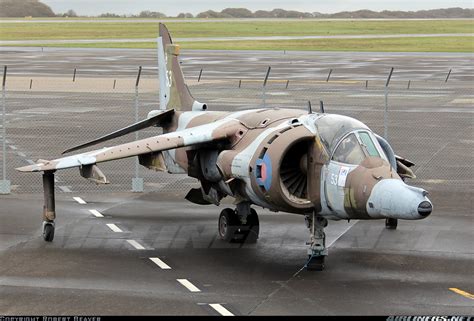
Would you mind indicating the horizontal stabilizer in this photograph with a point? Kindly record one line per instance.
(152, 121)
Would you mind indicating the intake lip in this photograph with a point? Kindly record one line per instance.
(425, 208)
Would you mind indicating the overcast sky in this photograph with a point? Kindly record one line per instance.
(173, 7)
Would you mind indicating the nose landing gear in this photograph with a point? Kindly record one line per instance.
(317, 251)
(391, 223)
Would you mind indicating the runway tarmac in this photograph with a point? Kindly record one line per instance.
(292, 65)
(206, 39)
(154, 253)
(90, 269)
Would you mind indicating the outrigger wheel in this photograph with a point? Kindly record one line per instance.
(48, 231)
(49, 208)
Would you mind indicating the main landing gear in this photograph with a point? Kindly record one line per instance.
(317, 251)
(49, 208)
(239, 225)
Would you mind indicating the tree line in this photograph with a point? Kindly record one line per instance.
(35, 8)
(242, 13)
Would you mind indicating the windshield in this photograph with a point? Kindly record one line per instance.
(368, 144)
(356, 146)
(349, 151)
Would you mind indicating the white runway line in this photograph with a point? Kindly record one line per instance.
(221, 310)
(114, 228)
(21, 154)
(79, 200)
(13, 147)
(96, 213)
(341, 234)
(188, 285)
(136, 245)
(160, 263)
(65, 189)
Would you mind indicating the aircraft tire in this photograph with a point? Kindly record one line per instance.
(254, 227)
(228, 224)
(391, 223)
(48, 232)
(315, 263)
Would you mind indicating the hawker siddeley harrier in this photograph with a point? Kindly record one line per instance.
(322, 166)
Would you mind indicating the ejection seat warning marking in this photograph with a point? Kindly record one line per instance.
(341, 181)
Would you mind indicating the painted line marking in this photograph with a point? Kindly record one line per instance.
(65, 189)
(96, 213)
(13, 147)
(136, 245)
(79, 200)
(188, 285)
(21, 154)
(340, 235)
(160, 263)
(29, 161)
(221, 310)
(114, 228)
(463, 293)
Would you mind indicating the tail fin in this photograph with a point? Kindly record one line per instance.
(174, 93)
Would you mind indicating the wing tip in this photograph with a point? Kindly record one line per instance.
(28, 169)
(38, 167)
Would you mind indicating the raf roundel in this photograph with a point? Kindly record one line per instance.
(263, 174)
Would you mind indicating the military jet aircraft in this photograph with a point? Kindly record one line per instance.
(318, 165)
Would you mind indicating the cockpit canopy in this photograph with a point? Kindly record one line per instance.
(331, 128)
(355, 147)
(348, 140)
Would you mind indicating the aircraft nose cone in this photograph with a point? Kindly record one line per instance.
(425, 208)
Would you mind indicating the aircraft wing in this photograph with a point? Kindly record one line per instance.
(208, 133)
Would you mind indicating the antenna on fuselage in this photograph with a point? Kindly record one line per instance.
(310, 110)
(321, 107)
(265, 85)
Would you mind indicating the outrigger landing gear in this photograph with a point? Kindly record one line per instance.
(317, 246)
(49, 208)
(240, 225)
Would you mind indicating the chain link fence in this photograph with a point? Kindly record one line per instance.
(430, 123)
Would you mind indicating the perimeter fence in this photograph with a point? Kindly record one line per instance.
(428, 122)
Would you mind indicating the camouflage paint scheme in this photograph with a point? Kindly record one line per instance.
(280, 159)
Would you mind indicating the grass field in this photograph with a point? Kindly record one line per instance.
(122, 30)
(97, 30)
